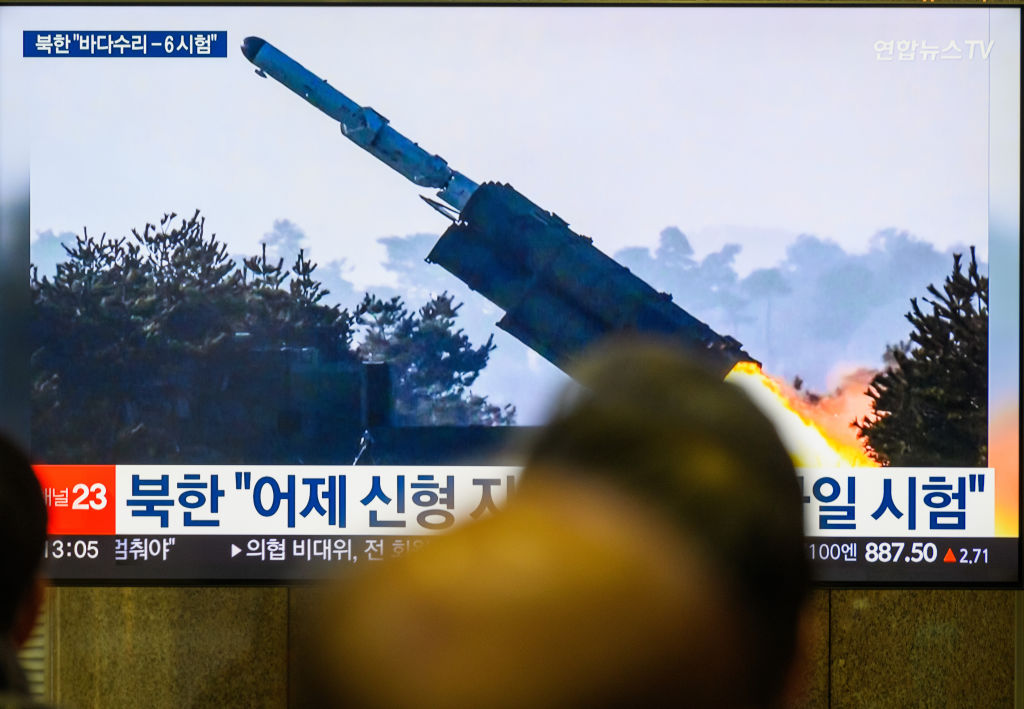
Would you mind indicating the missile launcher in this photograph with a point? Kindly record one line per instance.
(559, 292)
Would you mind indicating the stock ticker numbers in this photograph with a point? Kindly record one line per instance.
(932, 559)
(912, 559)
(897, 551)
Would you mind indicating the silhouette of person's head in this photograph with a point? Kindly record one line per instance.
(652, 557)
(652, 420)
(22, 537)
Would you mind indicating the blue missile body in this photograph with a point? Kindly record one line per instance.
(362, 125)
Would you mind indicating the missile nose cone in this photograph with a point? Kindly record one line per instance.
(251, 47)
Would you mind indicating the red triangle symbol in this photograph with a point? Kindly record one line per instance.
(950, 557)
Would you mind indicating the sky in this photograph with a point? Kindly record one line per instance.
(774, 129)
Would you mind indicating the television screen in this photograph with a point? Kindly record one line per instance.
(255, 354)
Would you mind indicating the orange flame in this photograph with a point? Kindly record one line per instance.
(1004, 457)
(816, 431)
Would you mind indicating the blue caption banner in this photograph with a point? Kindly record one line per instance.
(78, 43)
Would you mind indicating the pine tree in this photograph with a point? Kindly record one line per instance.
(434, 364)
(140, 342)
(930, 404)
(134, 336)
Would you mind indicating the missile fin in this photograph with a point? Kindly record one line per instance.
(443, 209)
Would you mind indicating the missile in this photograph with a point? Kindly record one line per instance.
(560, 294)
(362, 125)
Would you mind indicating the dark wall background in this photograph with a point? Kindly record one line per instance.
(235, 647)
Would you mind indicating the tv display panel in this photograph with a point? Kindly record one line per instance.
(792, 177)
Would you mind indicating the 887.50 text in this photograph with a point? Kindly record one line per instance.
(892, 552)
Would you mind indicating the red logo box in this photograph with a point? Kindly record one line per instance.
(79, 498)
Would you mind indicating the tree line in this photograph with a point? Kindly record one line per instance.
(136, 336)
(139, 341)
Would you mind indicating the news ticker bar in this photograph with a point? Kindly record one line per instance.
(414, 500)
(855, 560)
(882, 560)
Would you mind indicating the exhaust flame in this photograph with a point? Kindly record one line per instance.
(816, 431)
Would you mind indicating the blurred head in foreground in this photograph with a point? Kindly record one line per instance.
(656, 423)
(22, 536)
(652, 557)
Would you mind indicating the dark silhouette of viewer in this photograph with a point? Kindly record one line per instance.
(652, 557)
(655, 422)
(22, 536)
